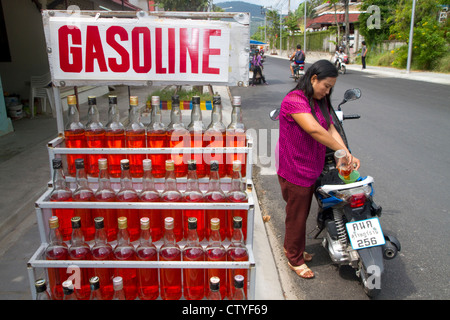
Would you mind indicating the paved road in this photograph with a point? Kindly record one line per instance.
(402, 141)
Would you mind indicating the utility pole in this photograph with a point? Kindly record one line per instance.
(411, 33)
(304, 31)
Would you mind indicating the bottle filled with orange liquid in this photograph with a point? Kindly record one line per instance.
(135, 138)
(114, 138)
(215, 194)
(237, 194)
(157, 138)
(95, 137)
(193, 194)
(215, 137)
(170, 251)
(193, 279)
(236, 137)
(215, 251)
(196, 130)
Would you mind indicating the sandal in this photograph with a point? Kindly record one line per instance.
(302, 271)
(306, 256)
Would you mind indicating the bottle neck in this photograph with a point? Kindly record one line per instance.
(169, 237)
(216, 114)
(237, 238)
(55, 237)
(125, 180)
(148, 183)
(103, 179)
(192, 181)
(214, 237)
(101, 237)
(236, 181)
(156, 114)
(74, 115)
(93, 114)
(123, 237)
(196, 124)
(113, 113)
(192, 238)
(170, 182)
(59, 180)
(81, 179)
(236, 116)
(175, 114)
(135, 116)
(77, 237)
(214, 182)
(145, 238)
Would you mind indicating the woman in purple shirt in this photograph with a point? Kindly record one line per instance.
(306, 130)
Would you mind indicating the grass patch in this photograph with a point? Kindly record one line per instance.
(185, 95)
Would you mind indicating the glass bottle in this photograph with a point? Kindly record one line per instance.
(105, 193)
(236, 136)
(214, 289)
(215, 194)
(150, 194)
(157, 138)
(74, 134)
(61, 192)
(215, 251)
(102, 251)
(56, 250)
(80, 250)
(215, 136)
(237, 194)
(119, 293)
(41, 290)
(128, 194)
(135, 138)
(239, 293)
(85, 194)
(196, 130)
(193, 195)
(115, 137)
(69, 291)
(237, 251)
(95, 136)
(95, 289)
(124, 251)
(193, 279)
(178, 137)
(170, 251)
(172, 194)
(148, 286)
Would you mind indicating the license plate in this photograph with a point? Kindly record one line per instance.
(365, 233)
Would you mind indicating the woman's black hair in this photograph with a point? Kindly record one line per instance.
(323, 69)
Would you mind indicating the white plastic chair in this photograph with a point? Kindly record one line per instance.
(41, 87)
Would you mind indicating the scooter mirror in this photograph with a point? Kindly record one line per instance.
(352, 94)
(274, 114)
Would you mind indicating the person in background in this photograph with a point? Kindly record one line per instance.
(363, 54)
(257, 68)
(298, 57)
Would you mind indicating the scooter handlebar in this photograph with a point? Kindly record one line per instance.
(351, 116)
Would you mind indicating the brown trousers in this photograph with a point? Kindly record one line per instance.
(298, 203)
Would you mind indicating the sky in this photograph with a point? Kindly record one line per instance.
(277, 4)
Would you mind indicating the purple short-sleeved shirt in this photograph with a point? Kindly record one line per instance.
(300, 157)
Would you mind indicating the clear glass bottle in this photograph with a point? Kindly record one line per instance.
(170, 278)
(41, 290)
(150, 194)
(80, 250)
(105, 193)
(214, 289)
(236, 137)
(237, 194)
(193, 194)
(83, 193)
(96, 293)
(69, 291)
(172, 194)
(56, 250)
(157, 138)
(193, 279)
(102, 251)
(237, 251)
(74, 134)
(215, 136)
(239, 293)
(128, 194)
(215, 251)
(148, 285)
(95, 136)
(119, 293)
(178, 137)
(196, 130)
(215, 194)
(115, 137)
(135, 138)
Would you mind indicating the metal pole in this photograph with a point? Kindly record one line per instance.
(280, 30)
(411, 33)
(304, 31)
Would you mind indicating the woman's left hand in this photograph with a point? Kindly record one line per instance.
(355, 163)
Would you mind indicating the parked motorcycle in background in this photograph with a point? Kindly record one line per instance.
(340, 60)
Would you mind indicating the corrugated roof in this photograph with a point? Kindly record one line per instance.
(329, 18)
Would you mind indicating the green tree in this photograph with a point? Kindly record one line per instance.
(183, 5)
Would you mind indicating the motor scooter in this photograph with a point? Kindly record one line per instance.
(349, 216)
(340, 60)
(299, 71)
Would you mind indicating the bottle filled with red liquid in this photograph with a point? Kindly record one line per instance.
(124, 251)
(61, 192)
(41, 290)
(80, 250)
(193, 194)
(150, 194)
(178, 137)
(114, 137)
(96, 293)
(196, 130)
(105, 193)
(236, 137)
(148, 284)
(83, 193)
(172, 194)
(193, 279)
(215, 251)
(56, 250)
(135, 138)
(170, 278)
(74, 134)
(157, 138)
(69, 291)
(119, 292)
(236, 194)
(215, 137)
(95, 137)
(239, 293)
(214, 289)
(215, 194)
(128, 194)
(237, 251)
(102, 251)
